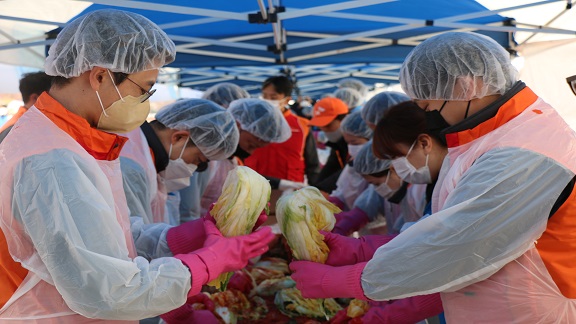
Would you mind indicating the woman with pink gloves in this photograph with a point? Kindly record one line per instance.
(503, 186)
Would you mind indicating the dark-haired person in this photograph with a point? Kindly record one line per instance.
(295, 159)
(31, 87)
(403, 125)
(67, 254)
(388, 187)
(327, 115)
(500, 243)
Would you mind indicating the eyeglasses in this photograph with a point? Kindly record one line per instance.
(147, 93)
(572, 83)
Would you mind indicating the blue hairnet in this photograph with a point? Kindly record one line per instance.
(354, 84)
(366, 163)
(212, 129)
(457, 66)
(224, 93)
(378, 105)
(261, 119)
(352, 98)
(117, 40)
(353, 124)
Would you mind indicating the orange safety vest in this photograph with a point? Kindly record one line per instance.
(37, 299)
(539, 286)
(283, 160)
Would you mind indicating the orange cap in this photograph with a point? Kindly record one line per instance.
(326, 110)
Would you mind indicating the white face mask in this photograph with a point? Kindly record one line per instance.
(177, 184)
(178, 169)
(125, 114)
(275, 103)
(384, 189)
(354, 149)
(334, 136)
(408, 172)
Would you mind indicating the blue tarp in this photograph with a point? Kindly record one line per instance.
(326, 29)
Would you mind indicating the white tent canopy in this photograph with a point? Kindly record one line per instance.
(547, 58)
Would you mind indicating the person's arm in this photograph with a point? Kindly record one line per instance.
(311, 162)
(136, 189)
(405, 311)
(68, 214)
(496, 212)
(349, 186)
(370, 202)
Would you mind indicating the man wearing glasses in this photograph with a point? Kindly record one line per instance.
(67, 252)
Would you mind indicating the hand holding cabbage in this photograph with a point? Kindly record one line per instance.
(245, 195)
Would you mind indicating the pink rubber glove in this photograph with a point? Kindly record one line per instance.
(186, 314)
(223, 254)
(405, 311)
(350, 221)
(336, 202)
(348, 250)
(190, 236)
(316, 280)
(187, 237)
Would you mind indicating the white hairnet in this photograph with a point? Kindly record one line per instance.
(117, 40)
(378, 105)
(352, 98)
(212, 128)
(353, 124)
(457, 66)
(224, 93)
(261, 119)
(366, 163)
(354, 84)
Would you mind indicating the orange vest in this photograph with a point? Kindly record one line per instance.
(557, 245)
(283, 160)
(101, 145)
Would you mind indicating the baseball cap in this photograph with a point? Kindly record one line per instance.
(326, 110)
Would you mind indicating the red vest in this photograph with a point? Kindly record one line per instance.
(283, 160)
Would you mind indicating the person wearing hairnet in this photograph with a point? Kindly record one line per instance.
(295, 160)
(387, 195)
(162, 155)
(260, 124)
(224, 93)
(66, 249)
(353, 83)
(365, 208)
(190, 197)
(377, 106)
(350, 184)
(498, 245)
(352, 98)
(347, 251)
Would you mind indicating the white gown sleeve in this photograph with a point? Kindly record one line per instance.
(72, 226)
(494, 215)
(370, 202)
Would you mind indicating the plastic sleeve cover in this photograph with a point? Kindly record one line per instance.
(73, 229)
(497, 210)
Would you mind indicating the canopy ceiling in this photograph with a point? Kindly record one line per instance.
(317, 42)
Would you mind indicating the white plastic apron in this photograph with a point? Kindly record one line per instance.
(36, 300)
(522, 291)
(137, 149)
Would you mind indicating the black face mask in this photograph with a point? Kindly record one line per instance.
(399, 194)
(202, 166)
(241, 154)
(435, 123)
